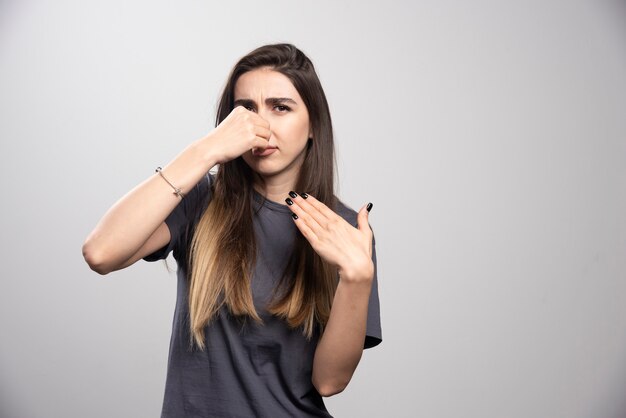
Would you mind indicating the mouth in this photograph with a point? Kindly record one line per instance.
(267, 151)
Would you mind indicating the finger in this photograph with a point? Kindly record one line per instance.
(239, 108)
(259, 143)
(319, 206)
(262, 131)
(363, 218)
(306, 216)
(259, 121)
(319, 218)
(363, 225)
(305, 229)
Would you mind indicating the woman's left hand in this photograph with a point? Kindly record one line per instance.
(335, 240)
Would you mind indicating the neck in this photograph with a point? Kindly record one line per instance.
(278, 186)
(276, 189)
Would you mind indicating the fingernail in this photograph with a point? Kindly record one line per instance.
(304, 195)
(294, 216)
(289, 201)
(293, 194)
(369, 206)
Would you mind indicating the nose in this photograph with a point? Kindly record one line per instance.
(266, 115)
(271, 140)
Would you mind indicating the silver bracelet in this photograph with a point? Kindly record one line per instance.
(177, 190)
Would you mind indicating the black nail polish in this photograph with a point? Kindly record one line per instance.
(304, 195)
(294, 216)
(293, 194)
(289, 201)
(369, 206)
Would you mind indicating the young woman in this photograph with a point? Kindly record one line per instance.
(277, 290)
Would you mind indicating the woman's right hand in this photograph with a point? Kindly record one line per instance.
(238, 133)
(135, 226)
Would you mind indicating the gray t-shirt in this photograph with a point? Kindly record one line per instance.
(247, 370)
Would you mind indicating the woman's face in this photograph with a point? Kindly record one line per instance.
(273, 97)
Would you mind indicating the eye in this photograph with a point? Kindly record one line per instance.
(250, 108)
(282, 108)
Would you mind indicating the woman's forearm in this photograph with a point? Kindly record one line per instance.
(127, 225)
(340, 348)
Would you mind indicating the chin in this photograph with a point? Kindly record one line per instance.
(265, 167)
(267, 171)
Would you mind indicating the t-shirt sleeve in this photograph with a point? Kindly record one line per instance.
(183, 214)
(373, 331)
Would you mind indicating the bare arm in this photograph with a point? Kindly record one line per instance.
(135, 225)
(339, 350)
(340, 347)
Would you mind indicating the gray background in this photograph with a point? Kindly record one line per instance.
(490, 136)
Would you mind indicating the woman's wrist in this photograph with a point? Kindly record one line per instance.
(189, 166)
(206, 151)
(362, 275)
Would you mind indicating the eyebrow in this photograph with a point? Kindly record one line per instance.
(268, 101)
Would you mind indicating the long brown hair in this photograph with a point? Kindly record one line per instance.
(223, 247)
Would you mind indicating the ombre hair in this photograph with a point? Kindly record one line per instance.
(223, 246)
